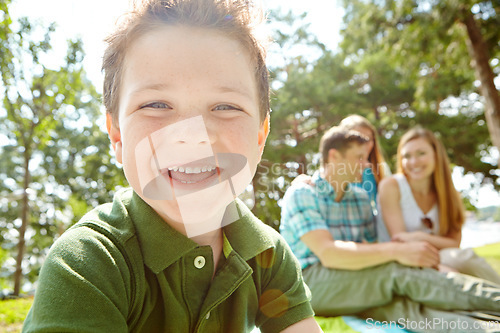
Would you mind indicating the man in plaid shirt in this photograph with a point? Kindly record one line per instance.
(331, 229)
(346, 216)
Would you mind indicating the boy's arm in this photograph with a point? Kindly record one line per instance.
(84, 286)
(285, 298)
(355, 256)
(307, 325)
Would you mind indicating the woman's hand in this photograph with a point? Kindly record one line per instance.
(406, 237)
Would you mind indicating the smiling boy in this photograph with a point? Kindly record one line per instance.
(187, 102)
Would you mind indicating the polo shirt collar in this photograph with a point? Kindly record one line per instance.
(161, 245)
(246, 236)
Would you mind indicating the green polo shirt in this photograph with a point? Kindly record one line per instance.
(123, 269)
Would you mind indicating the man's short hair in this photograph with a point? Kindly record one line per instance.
(340, 139)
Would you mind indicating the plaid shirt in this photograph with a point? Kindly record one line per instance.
(306, 208)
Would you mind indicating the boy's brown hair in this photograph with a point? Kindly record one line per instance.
(339, 138)
(237, 19)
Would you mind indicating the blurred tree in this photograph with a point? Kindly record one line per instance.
(55, 158)
(446, 49)
(394, 91)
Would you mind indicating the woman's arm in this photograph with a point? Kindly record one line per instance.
(440, 242)
(389, 197)
(392, 214)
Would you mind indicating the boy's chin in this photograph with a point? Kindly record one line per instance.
(193, 215)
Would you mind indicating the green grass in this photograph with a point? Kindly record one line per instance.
(13, 312)
(491, 253)
(334, 324)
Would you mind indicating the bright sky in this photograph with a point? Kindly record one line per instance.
(93, 19)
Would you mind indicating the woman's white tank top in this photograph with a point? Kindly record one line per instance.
(412, 214)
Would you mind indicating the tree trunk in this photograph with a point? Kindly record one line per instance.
(479, 54)
(18, 275)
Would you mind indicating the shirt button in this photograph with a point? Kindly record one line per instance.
(199, 262)
(208, 315)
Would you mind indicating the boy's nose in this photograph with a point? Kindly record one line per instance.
(192, 131)
(181, 142)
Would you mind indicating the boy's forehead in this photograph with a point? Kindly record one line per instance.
(153, 59)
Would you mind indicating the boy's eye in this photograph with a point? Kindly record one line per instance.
(227, 107)
(156, 105)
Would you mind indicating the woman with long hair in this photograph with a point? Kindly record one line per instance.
(420, 203)
(378, 167)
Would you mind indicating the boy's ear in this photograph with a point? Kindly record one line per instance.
(114, 136)
(263, 133)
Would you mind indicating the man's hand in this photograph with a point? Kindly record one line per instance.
(304, 179)
(417, 254)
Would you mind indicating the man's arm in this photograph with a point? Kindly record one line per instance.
(355, 256)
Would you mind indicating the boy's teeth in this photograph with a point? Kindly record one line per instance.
(192, 169)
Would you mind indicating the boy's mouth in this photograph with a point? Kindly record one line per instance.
(191, 174)
(194, 176)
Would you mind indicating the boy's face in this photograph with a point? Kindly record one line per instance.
(189, 134)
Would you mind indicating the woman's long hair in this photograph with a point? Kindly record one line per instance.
(376, 158)
(451, 210)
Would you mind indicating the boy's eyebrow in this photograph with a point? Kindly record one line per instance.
(223, 89)
(155, 86)
(234, 89)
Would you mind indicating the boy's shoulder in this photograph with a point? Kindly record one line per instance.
(111, 218)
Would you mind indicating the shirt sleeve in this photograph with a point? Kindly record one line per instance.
(84, 286)
(301, 212)
(285, 298)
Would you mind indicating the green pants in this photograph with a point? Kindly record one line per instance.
(393, 291)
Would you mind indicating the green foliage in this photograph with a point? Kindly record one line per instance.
(427, 43)
(401, 63)
(55, 146)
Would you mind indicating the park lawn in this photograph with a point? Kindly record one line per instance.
(13, 312)
(491, 253)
